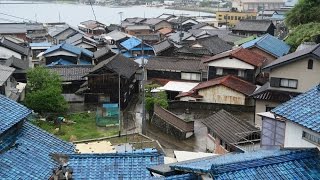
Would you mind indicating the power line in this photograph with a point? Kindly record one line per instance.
(17, 17)
(95, 18)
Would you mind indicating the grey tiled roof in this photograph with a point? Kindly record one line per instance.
(11, 28)
(71, 72)
(118, 63)
(16, 63)
(253, 25)
(101, 52)
(13, 46)
(162, 46)
(152, 21)
(5, 73)
(227, 127)
(175, 63)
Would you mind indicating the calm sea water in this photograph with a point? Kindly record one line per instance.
(76, 13)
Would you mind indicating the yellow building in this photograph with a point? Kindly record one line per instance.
(232, 17)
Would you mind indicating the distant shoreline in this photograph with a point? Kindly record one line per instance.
(196, 9)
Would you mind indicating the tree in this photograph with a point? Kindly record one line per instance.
(305, 11)
(159, 98)
(44, 92)
(304, 33)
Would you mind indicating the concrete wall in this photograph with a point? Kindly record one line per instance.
(293, 136)
(213, 145)
(307, 78)
(168, 128)
(261, 107)
(222, 94)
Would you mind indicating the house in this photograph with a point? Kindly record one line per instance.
(133, 47)
(124, 165)
(36, 49)
(116, 36)
(67, 54)
(102, 54)
(157, 23)
(223, 90)
(289, 76)
(231, 18)
(223, 34)
(173, 88)
(18, 30)
(36, 33)
(238, 62)
(104, 79)
(164, 48)
(172, 124)
(182, 23)
(261, 164)
(72, 76)
(7, 82)
(207, 46)
(294, 123)
(93, 28)
(268, 46)
(20, 66)
(58, 34)
(149, 38)
(254, 27)
(166, 16)
(226, 133)
(23, 144)
(257, 5)
(9, 49)
(82, 41)
(175, 68)
(164, 32)
(138, 29)
(181, 37)
(203, 26)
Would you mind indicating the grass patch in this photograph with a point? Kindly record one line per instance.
(83, 128)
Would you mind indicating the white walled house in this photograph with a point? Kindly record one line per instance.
(294, 124)
(289, 76)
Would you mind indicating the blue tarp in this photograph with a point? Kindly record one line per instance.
(70, 48)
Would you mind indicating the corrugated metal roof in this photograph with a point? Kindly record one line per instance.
(303, 109)
(270, 44)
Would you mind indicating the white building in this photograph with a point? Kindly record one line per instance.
(256, 5)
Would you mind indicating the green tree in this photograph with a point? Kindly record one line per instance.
(159, 98)
(44, 92)
(305, 11)
(304, 33)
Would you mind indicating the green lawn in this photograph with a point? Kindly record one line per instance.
(83, 128)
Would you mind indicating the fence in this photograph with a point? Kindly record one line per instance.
(107, 115)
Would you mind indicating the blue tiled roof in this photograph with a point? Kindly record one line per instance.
(29, 157)
(131, 43)
(269, 44)
(303, 109)
(289, 164)
(131, 165)
(69, 48)
(11, 113)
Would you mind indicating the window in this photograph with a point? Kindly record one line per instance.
(191, 76)
(288, 83)
(219, 71)
(241, 73)
(268, 108)
(231, 17)
(309, 137)
(310, 64)
(228, 17)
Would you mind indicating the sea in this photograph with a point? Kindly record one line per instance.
(74, 13)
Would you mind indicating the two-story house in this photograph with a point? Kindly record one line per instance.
(289, 76)
(254, 27)
(294, 124)
(239, 62)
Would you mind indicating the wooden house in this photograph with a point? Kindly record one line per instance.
(103, 81)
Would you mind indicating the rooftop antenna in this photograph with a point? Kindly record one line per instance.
(59, 17)
(95, 18)
(120, 14)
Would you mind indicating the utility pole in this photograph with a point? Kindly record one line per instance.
(120, 14)
(144, 123)
(119, 102)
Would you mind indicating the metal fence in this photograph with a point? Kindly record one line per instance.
(107, 115)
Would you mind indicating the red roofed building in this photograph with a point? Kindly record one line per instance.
(238, 62)
(225, 90)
